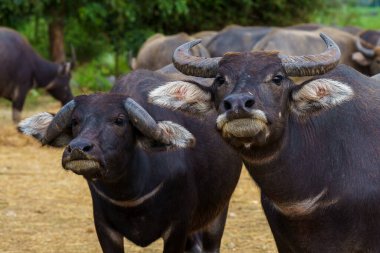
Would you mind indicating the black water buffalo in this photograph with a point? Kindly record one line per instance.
(313, 149)
(235, 38)
(181, 196)
(23, 69)
(368, 55)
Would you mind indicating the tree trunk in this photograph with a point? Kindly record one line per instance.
(56, 39)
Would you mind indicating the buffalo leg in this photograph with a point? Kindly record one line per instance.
(17, 105)
(194, 243)
(176, 241)
(274, 222)
(212, 234)
(110, 240)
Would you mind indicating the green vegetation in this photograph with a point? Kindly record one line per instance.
(348, 15)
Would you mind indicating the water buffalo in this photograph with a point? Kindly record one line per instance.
(235, 38)
(181, 195)
(313, 149)
(368, 55)
(297, 42)
(157, 51)
(23, 69)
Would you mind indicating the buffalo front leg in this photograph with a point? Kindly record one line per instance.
(17, 105)
(175, 242)
(110, 240)
(212, 234)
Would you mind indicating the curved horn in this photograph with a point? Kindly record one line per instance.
(310, 65)
(192, 65)
(365, 51)
(142, 120)
(166, 132)
(60, 121)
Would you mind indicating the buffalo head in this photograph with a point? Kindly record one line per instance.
(252, 91)
(59, 86)
(100, 133)
(368, 55)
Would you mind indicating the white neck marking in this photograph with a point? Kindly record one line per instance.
(129, 203)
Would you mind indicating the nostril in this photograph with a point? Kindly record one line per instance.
(227, 105)
(249, 103)
(87, 148)
(69, 149)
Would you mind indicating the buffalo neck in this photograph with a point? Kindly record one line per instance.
(137, 178)
(310, 155)
(44, 72)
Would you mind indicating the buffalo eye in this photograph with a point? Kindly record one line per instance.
(277, 79)
(119, 121)
(220, 80)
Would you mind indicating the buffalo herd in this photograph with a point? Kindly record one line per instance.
(163, 150)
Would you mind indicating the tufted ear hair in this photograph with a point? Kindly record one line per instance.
(184, 96)
(318, 95)
(37, 125)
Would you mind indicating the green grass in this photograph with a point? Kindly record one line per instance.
(364, 17)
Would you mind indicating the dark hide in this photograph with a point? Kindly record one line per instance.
(192, 187)
(337, 150)
(236, 39)
(315, 155)
(23, 69)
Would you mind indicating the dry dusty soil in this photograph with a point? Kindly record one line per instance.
(46, 209)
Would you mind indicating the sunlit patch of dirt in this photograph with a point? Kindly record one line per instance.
(44, 209)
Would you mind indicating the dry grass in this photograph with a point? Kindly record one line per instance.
(45, 209)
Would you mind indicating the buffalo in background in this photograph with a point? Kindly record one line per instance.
(23, 69)
(300, 42)
(368, 55)
(235, 38)
(157, 51)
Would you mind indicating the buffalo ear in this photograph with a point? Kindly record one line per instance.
(37, 125)
(65, 68)
(176, 136)
(318, 95)
(183, 96)
(360, 59)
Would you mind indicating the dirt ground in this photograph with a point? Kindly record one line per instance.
(46, 209)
